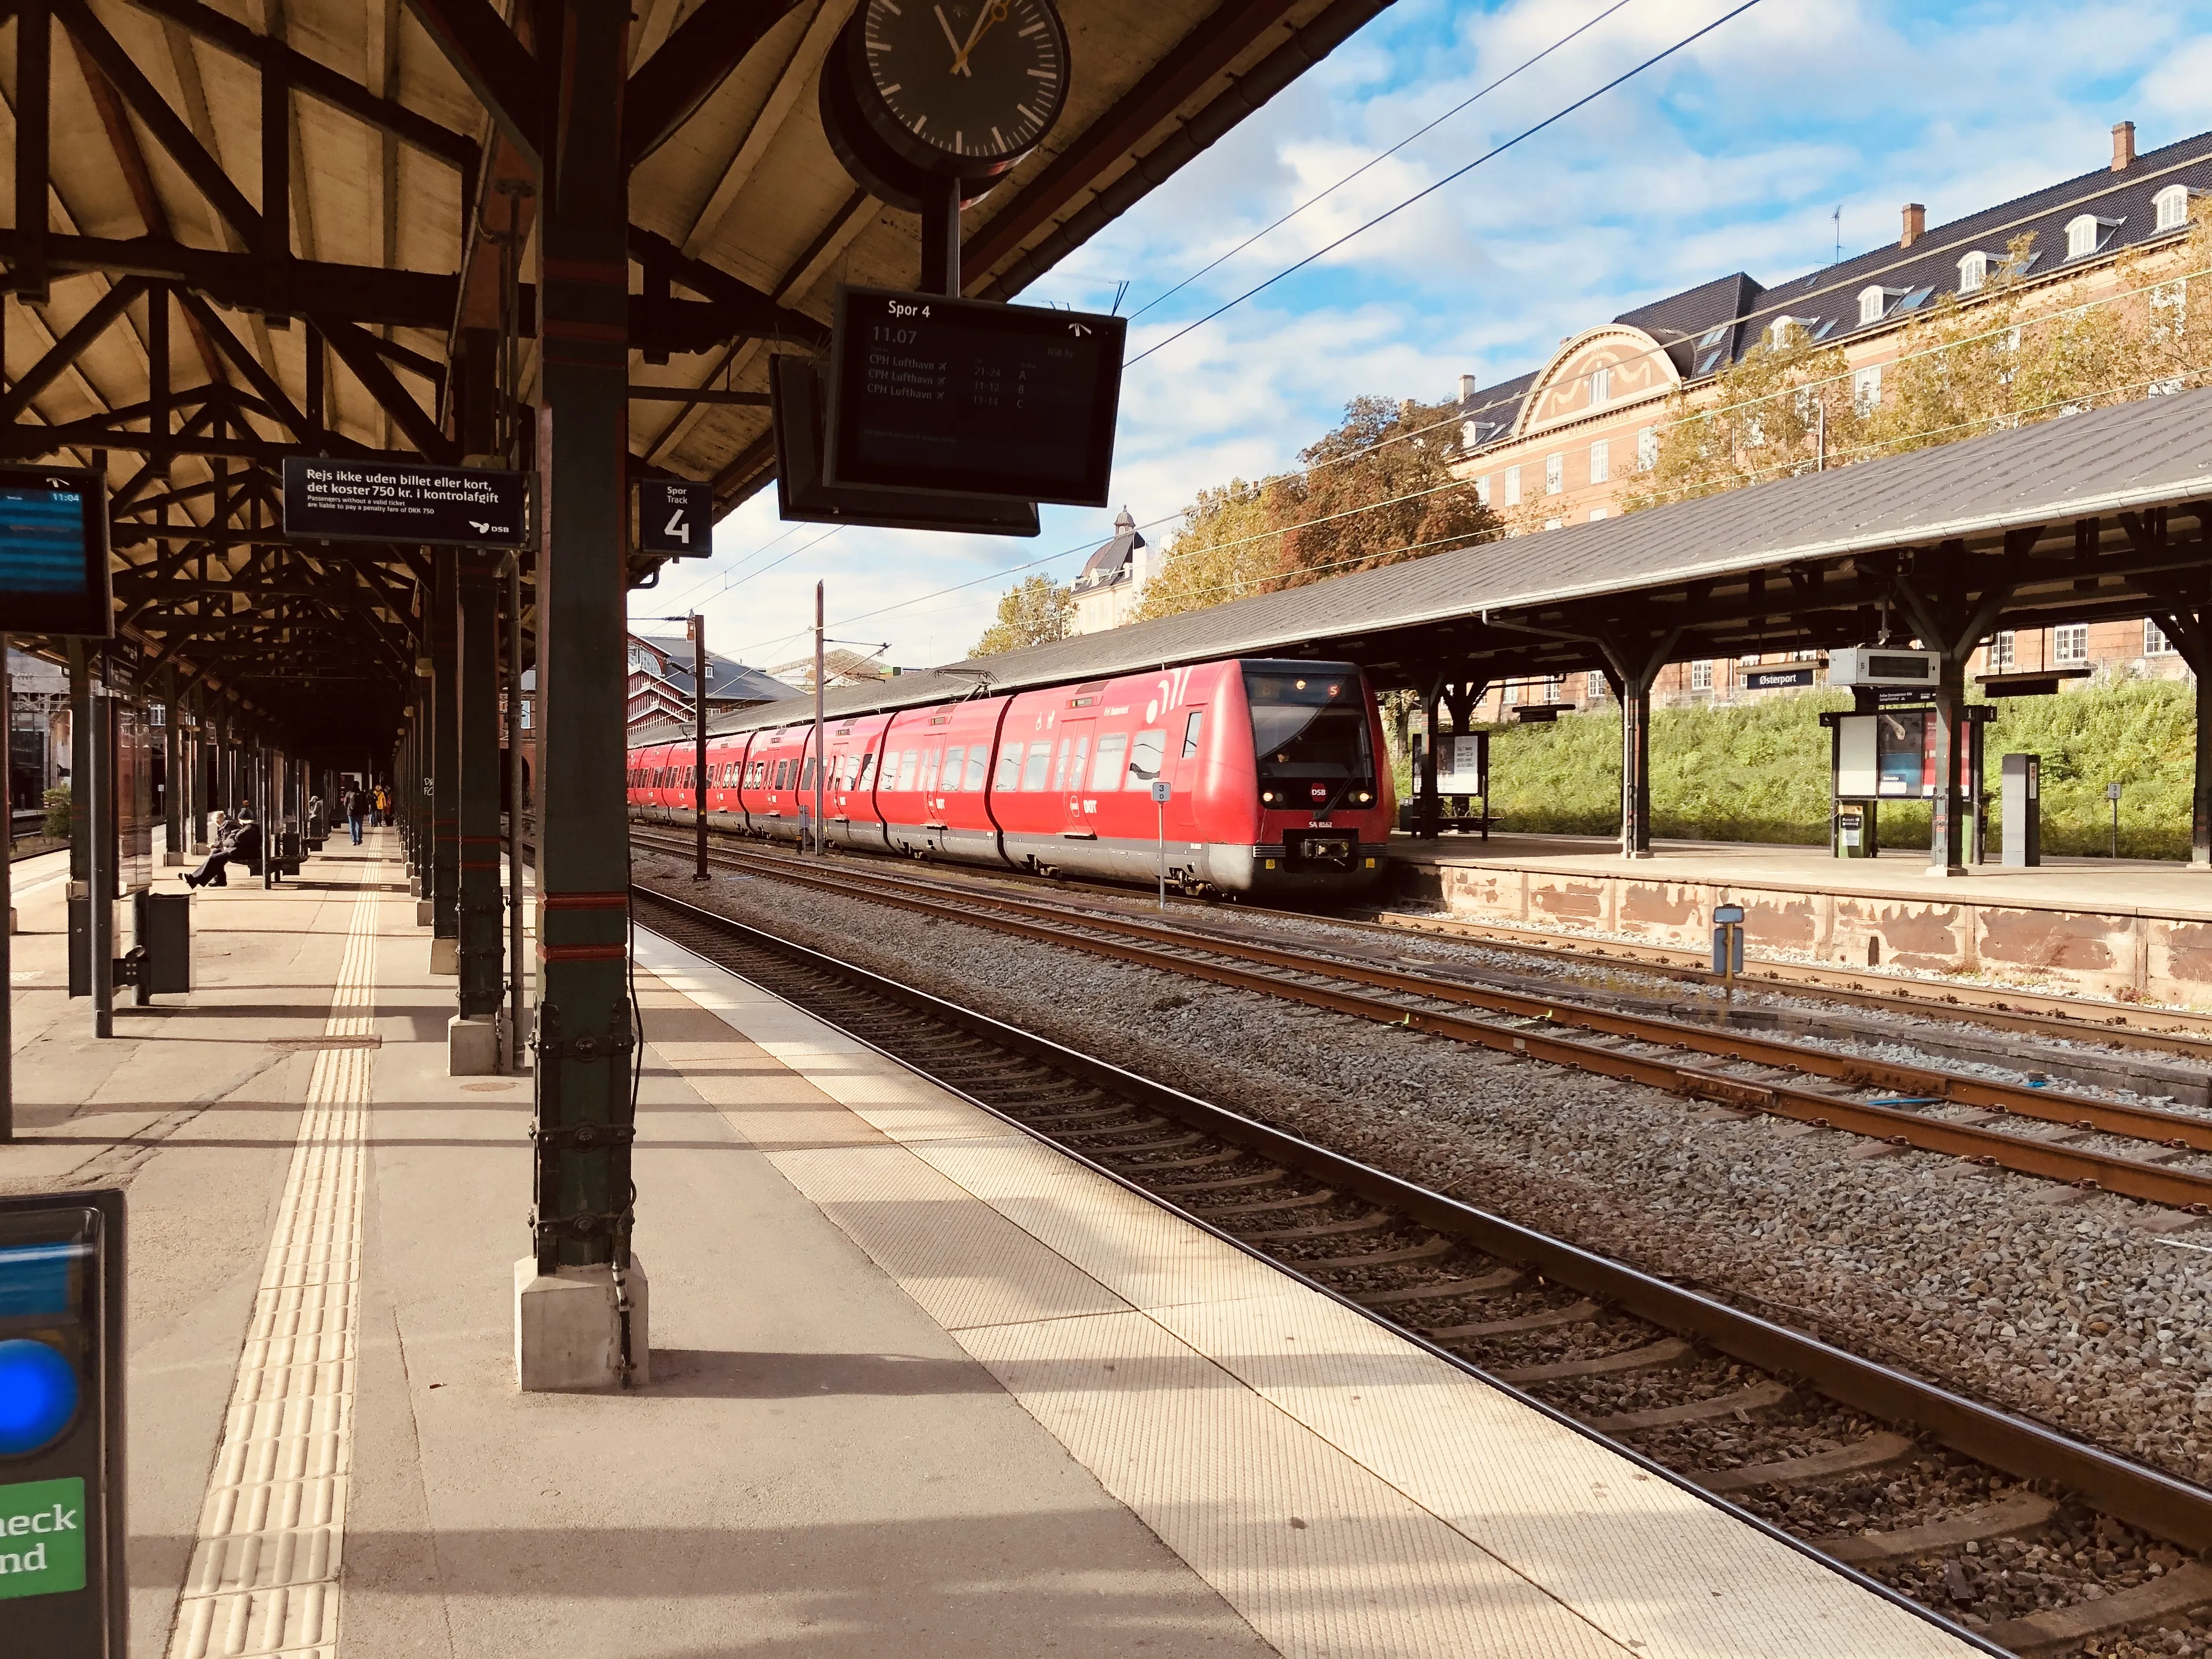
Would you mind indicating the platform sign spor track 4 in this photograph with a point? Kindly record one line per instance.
(61, 1426)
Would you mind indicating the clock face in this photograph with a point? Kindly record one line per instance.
(964, 87)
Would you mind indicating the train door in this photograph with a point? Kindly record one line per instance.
(1071, 772)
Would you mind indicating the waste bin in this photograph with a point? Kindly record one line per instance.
(2023, 810)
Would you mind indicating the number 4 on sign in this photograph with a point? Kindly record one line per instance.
(678, 528)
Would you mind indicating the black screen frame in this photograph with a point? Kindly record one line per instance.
(842, 467)
(89, 614)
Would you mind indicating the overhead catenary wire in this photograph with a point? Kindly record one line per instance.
(1427, 190)
(1377, 161)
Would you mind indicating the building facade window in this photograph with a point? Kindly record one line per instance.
(1647, 448)
(2171, 205)
(1555, 474)
(1512, 486)
(1701, 675)
(1973, 271)
(1873, 301)
(1600, 382)
(2000, 651)
(1594, 687)
(2070, 644)
(1597, 513)
(1601, 461)
(1482, 489)
(1551, 524)
(2156, 644)
(1866, 387)
(2085, 234)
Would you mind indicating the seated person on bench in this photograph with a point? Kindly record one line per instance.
(240, 842)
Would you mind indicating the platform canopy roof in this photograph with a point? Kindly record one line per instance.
(2096, 515)
(270, 225)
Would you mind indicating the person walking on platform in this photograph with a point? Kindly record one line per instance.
(382, 807)
(240, 842)
(359, 805)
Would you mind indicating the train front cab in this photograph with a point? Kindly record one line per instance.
(1319, 794)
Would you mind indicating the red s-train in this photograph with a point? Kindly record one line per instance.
(1274, 770)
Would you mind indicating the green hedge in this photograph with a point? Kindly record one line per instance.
(1758, 771)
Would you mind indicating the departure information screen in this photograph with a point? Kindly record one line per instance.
(53, 552)
(971, 397)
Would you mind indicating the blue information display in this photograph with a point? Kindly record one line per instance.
(53, 552)
(61, 1582)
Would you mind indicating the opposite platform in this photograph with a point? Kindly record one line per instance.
(2132, 928)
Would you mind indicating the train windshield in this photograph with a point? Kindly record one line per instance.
(1309, 721)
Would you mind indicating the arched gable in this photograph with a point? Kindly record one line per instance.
(1624, 364)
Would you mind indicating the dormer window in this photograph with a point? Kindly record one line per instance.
(2172, 204)
(2086, 233)
(1873, 301)
(1973, 271)
(1784, 332)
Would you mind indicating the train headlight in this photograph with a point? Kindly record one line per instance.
(1268, 797)
(1364, 796)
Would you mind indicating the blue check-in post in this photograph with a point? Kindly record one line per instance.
(62, 1584)
(1728, 942)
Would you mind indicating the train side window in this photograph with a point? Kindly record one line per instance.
(806, 774)
(949, 779)
(1060, 765)
(1010, 767)
(1190, 731)
(1147, 754)
(867, 770)
(978, 763)
(928, 783)
(1076, 760)
(1038, 770)
(782, 772)
(909, 768)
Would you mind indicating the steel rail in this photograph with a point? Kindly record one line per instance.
(2160, 1504)
(2128, 1177)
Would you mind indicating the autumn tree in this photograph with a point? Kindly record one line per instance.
(1377, 490)
(1032, 611)
(1225, 547)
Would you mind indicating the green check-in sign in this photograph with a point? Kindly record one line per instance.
(42, 1538)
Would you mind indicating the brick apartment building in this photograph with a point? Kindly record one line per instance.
(1567, 441)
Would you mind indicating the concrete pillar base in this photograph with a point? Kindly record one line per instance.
(445, 956)
(199, 849)
(472, 1045)
(568, 1329)
(415, 885)
(425, 913)
(172, 859)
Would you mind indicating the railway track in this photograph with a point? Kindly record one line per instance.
(1919, 1489)
(1988, 1121)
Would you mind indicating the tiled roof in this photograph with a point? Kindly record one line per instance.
(1827, 301)
(2155, 452)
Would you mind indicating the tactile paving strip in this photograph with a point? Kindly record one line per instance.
(264, 1580)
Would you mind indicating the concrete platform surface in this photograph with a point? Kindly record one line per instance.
(2133, 929)
(919, 1386)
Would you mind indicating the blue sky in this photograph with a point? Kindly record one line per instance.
(1732, 155)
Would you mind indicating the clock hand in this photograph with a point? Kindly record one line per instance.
(990, 14)
(959, 55)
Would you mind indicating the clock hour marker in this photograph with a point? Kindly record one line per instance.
(891, 6)
(1045, 75)
(1030, 30)
(998, 139)
(891, 88)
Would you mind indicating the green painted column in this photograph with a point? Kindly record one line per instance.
(444, 874)
(481, 956)
(585, 1047)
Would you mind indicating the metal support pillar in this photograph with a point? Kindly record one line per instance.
(697, 627)
(100, 846)
(270, 810)
(518, 797)
(586, 1046)
(80, 697)
(476, 785)
(443, 885)
(1631, 670)
(1425, 790)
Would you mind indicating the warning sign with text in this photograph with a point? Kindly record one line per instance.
(355, 500)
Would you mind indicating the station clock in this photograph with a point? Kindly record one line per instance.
(919, 91)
